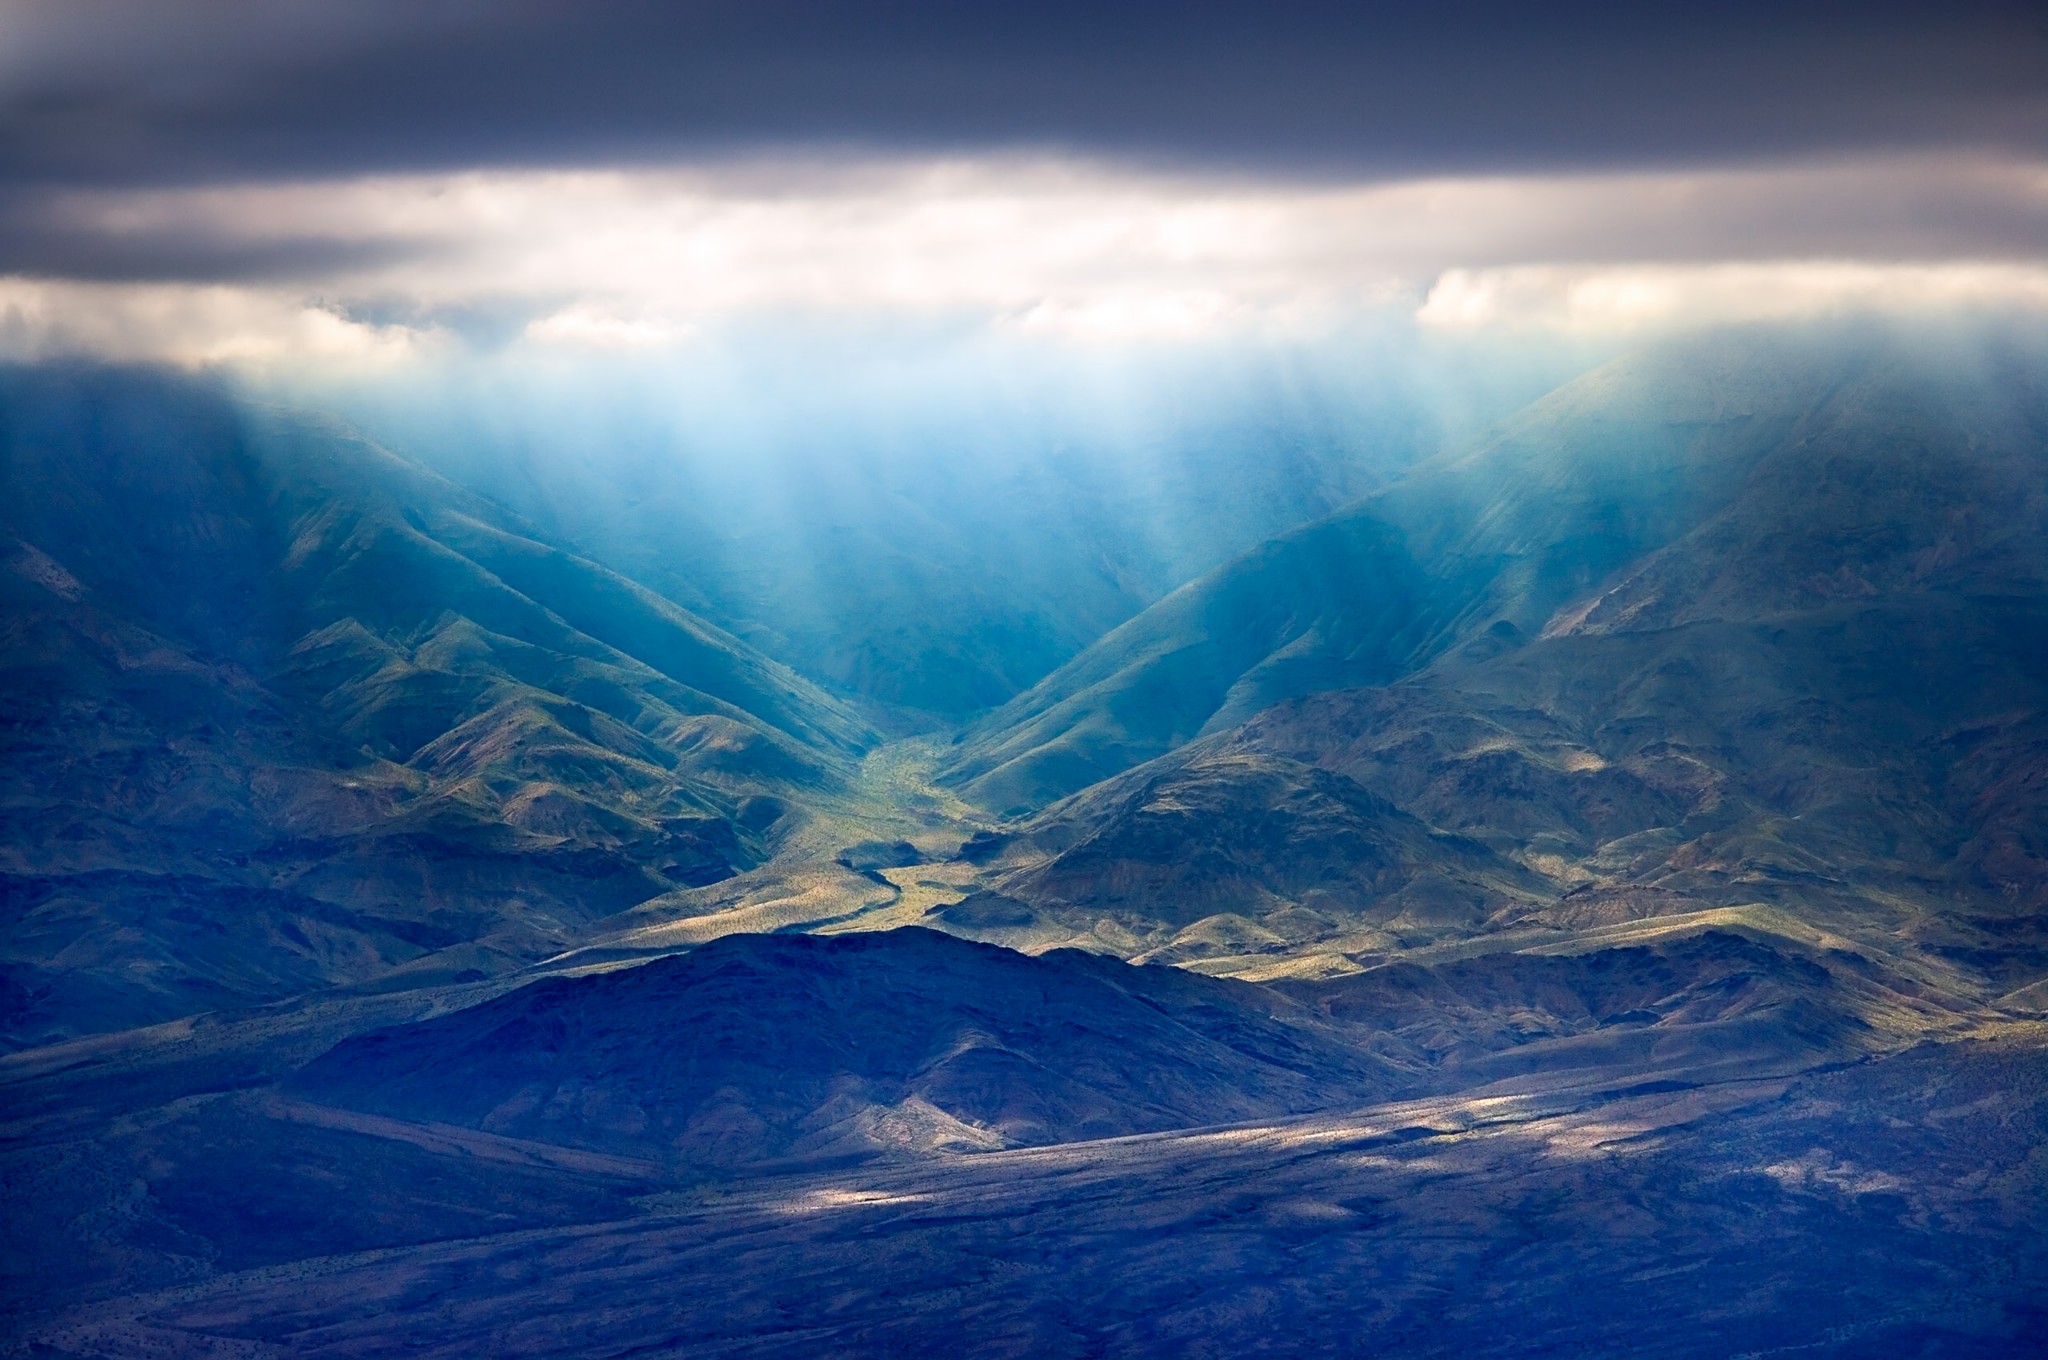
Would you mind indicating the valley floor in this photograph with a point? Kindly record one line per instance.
(1885, 1208)
(1808, 1145)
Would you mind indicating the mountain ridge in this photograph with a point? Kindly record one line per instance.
(1478, 548)
(268, 654)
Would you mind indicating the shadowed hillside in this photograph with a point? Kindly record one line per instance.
(284, 710)
(806, 1051)
(756, 1048)
(1746, 477)
(1710, 629)
(1883, 1210)
(800, 1074)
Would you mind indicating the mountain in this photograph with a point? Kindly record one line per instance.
(1880, 749)
(1753, 624)
(1230, 855)
(797, 1052)
(931, 572)
(1754, 637)
(285, 710)
(1606, 864)
(766, 1047)
(1877, 768)
(1748, 475)
(800, 1076)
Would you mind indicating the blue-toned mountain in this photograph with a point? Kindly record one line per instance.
(1748, 476)
(285, 710)
(1756, 625)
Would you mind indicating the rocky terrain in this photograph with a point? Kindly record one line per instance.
(1758, 478)
(764, 1048)
(1584, 898)
(1885, 1207)
(283, 710)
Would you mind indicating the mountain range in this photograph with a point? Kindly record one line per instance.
(1694, 632)
(411, 903)
(287, 711)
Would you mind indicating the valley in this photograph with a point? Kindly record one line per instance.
(1596, 874)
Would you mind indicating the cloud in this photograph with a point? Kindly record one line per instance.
(193, 324)
(1634, 297)
(1076, 250)
(584, 328)
(188, 91)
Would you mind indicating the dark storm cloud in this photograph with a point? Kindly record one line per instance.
(39, 243)
(132, 91)
(344, 181)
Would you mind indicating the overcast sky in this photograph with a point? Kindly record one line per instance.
(235, 179)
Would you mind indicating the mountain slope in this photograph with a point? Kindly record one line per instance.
(752, 1048)
(1212, 854)
(809, 1050)
(934, 565)
(1822, 706)
(1480, 550)
(251, 651)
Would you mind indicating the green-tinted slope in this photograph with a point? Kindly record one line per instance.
(1213, 853)
(1822, 708)
(261, 654)
(1480, 548)
(383, 541)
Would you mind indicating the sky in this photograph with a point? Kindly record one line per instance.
(369, 185)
